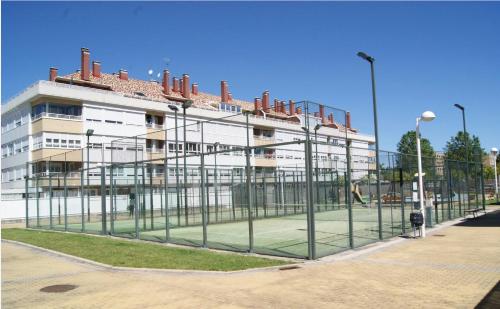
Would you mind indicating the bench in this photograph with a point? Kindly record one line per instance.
(474, 211)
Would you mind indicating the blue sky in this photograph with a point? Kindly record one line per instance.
(428, 55)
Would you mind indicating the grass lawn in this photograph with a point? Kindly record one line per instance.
(136, 254)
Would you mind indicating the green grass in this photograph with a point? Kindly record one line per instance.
(136, 254)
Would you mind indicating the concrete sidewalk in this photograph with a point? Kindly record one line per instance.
(455, 267)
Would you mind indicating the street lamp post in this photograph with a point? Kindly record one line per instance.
(89, 133)
(371, 60)
(426, 116)
(185, 105)
(466, 142)
(176, 109)
(216, 144)
(494, 152)
(316, 128)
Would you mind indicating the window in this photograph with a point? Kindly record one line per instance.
(71, 143)
(93, 120)
(48, 142)
(192, 148)
(55, 142)
(171, 147)
(64, 143)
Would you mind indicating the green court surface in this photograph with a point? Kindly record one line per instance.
(285, 235)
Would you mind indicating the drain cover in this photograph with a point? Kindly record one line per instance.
(58, 288)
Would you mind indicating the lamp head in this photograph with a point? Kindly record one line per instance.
(316, 128)
(216, 144)
(460, 107)
(427, 116)
(366, 57)
(494, 151)
(173, 108)
(187, 104)
(90, 132)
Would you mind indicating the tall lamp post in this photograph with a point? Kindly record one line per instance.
(371, 60)
(316, 128)
(216, 144)
(466, 142)
(89, 133)
(426, 116)
(175, 109)
(185, 105)
(494, 152)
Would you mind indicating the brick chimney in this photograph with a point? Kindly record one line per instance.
(52, 74)
(283, 107)
(185, 86)
(257, 104)
(84, 73)
(322, 113)
(166, 86)
(291, 107)
(123, 74)
(348, 120)
(194, 88)
(224, 91)
(175, 83)
(96, 69)
(265, 101)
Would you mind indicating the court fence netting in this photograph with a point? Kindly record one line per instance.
(308, 197)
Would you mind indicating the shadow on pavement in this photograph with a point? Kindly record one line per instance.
(491, 219)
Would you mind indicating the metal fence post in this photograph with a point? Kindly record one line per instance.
(165, 175)
(151, 186)
(103, 200)
(65, 199)
(26, 194)
(482, 188)
(136, 194)
(51, 223)
(111, 195)
(37, 203)
(348, 193)
(203, 205)
(249, 189)
(82, 197)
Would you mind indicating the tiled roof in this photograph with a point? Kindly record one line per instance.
(154, 90)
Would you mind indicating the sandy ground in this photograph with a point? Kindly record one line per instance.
(454, 267)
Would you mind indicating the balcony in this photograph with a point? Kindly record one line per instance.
(265, 160)
(154, 126)
(56, 116)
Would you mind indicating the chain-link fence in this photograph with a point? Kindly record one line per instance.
(307, 193)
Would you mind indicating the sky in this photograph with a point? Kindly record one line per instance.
(429, 55)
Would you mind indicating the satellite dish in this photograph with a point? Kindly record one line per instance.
(150, 72)
(158, 75)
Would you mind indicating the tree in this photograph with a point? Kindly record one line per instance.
(407, 147)
(455, 148)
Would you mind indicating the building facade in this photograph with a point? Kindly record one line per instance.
(47, 123)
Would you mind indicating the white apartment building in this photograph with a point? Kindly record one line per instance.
(48, 121)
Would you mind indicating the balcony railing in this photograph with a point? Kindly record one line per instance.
(58, 116)
(154, 126)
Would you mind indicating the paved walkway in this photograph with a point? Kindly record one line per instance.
(453, 268)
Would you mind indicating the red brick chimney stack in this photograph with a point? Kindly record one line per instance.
(185, 86)
(291, 107)
(194, 89)
(175, 83)
(224, 91)
(52, 74)
(84, 73)
(123, 74)
(322, 113)
(257, 104)
(348, 120)
(166, 86)
(265, 101)
(96, 69)
(229, 96)
(283, 107)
